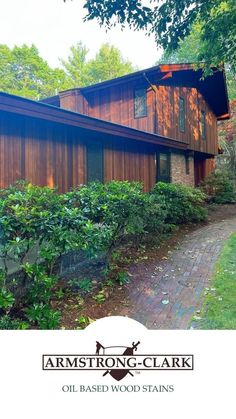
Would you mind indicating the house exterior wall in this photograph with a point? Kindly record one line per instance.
(116, 104)
(178, 169)
(55, 155)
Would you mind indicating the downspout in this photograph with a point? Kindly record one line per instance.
(154, 88)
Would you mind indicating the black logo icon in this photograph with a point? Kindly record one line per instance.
(121, 350)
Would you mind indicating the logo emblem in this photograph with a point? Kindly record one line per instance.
(117, 350)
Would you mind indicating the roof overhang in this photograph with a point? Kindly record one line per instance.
(212, 87)
(29, 108)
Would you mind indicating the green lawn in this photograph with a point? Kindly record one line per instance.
(219, 309)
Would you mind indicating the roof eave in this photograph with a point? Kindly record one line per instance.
(26, 107)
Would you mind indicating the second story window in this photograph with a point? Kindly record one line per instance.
(140, 102)
(181, 114)
(203, 124)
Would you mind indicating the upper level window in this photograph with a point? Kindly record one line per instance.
(181, 114)
(140, 102)
(203, 124)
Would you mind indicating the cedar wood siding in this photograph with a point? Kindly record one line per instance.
(116, 104)
(54, 155)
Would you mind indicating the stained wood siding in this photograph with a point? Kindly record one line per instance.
(133, 162)
(116, 104)
(168, 118)
(42, 152)
(52, 154)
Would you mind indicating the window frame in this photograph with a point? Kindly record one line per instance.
(159, 177)
(144, 115)
(203, 124)
(182, 115)
(94, 146)
(187, 165)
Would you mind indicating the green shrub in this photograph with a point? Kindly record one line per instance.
(7, 323)
(43, 316)
(37, 226)
(180, 203)
(119, 206)
(219, 187)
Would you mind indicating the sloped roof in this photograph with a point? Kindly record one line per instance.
(30, 108)
(213, 87)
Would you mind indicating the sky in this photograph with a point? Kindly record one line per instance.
(54, 26)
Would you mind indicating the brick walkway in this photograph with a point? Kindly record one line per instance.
(171, 291)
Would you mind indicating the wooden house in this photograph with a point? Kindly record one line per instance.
(159, 124)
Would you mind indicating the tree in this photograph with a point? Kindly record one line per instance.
(23, 72)
(108, 63)
(172, 20)
(76, 65)
(227, 139)
(188, 50)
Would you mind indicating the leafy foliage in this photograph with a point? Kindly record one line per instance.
(171, 21)
(85, 284)
(8, 323)
(23, 72)
(227, 140)
(107, 64)
(219, 187)
(43, 316)
(38, 226)
(182, 203)
(122, 278)
(119, 205)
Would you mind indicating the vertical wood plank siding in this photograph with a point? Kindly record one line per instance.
(47, 153)
(42, 152)
(116, 104)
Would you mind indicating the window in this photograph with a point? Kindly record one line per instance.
(203, 124)
(163, 167)
(187, 168)
(181, 114)
(140, 103)
(94, 162)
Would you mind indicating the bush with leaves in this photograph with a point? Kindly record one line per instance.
(37, 226)
(180, 203)
(120, 206)
(219, 187)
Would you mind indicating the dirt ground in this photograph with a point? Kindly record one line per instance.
(78, 311)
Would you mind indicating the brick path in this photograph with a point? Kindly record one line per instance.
(179, 280)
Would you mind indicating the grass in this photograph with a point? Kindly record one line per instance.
(219, 308)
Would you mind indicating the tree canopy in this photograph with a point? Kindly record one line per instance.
(107, 64)
(171, 21)
(25, 73)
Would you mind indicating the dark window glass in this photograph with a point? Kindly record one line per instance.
(187, 168)
(181, 114)
(203, 124)
(140, 103)
(94, 162)
(163, 167)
